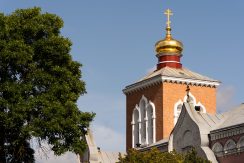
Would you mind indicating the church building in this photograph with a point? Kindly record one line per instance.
(154, 103)
(174, 108)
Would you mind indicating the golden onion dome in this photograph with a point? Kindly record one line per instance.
(168, 46)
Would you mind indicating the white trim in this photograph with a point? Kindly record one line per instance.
(151, 104)
(143, 104)
(192, 96)
(133, 123)
(143, 99)
(159, 79)
(146, 123)
(143, 111)
(202, 106)
(176, 115)
(169, 62)
(136, 109)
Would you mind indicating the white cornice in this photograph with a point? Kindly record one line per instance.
(160, 79)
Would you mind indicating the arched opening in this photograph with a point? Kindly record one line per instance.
(218, 149)
(143, 121)
(230, 146)
(177, 110)
(150, 124)
(135, 128)
(240, 144)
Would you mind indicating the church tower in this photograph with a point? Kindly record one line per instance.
(154, 103)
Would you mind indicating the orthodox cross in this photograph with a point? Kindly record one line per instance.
(168, 13)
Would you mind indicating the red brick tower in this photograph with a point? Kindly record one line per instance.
(153, 103)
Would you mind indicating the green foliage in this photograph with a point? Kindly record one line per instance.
(155, 156)
(39, 87)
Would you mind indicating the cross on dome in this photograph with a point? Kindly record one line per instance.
(168, 13)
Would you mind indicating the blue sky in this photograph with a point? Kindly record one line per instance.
(114, 40)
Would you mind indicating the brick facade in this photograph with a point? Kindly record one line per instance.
(164, 96)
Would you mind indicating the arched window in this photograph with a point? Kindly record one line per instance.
(143, 131)
(177, 110)
(240, 143)
(230, 146)
(143, 123)
(136, 128)
(178, 106)
(150, 124)
(218, 149)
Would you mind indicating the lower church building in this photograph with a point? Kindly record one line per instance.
(174, 108)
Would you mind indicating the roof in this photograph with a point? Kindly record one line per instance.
(178, 73)
(109, 157)
(212, 121)
(96, 155)
(168, 74)
(233, 117)
(160, 143)
(205, 121)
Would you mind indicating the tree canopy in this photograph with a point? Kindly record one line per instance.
(39, 87)
(156, 156)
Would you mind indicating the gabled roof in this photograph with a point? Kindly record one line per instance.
(175, 75)
(178, 73)
(233, 117)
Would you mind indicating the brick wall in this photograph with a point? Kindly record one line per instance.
(154, 94)
(172, 92)
(164, 96)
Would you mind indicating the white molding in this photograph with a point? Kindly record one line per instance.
(151, 104)
(202, 106)
(160, 79)
(143, 110)
(133, 123)
(144, 120)
(142, 84)
(192, 96)
(169, 62)
(139, 116)
(143, 99)
(176, 115)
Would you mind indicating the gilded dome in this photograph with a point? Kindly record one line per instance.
(168, 46)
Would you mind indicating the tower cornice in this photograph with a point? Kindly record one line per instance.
(161, 79)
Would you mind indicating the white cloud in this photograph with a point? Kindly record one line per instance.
(225, 96)
(65, 158)
(45, 155)
(108, 126)
(108, 139)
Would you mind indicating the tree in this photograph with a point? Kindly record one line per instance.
(39, 87)
(155, 156)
